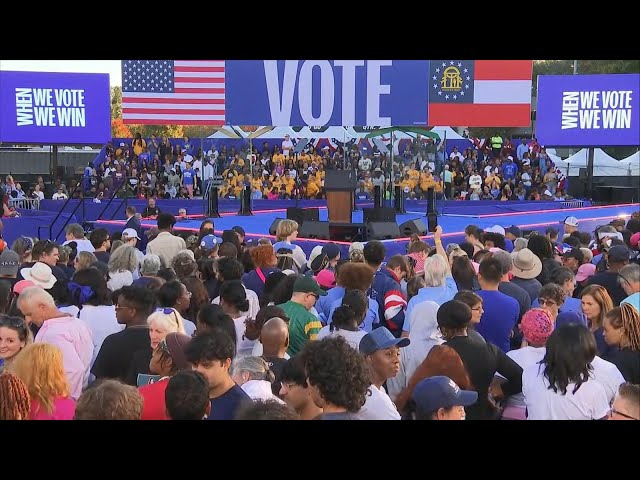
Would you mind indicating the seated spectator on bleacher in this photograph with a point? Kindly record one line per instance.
(59, 195)
(151, 210)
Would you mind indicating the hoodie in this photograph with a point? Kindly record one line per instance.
(392, 303)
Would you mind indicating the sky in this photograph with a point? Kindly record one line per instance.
(112, 67)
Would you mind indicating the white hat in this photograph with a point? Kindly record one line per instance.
(571, 221)
(40, 274)
(496, 229)
(317, 250)
(130, 233)
(510, 157)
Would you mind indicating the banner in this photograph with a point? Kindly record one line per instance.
(323, 93)
(54, 108)
(588, 110)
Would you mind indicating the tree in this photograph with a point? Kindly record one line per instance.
(116, 102)
(119, 129)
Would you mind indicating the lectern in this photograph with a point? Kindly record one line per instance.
(340, 186)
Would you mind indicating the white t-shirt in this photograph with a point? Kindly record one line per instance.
(58, 196)
(475, 181)
(82, 245)
(102, 322)
(526, 179)
(254, 303)
(353, 338)
(244, 346)
(608, 375)
(525, 357)
(287, 145)
(588, 403)
(378, 406)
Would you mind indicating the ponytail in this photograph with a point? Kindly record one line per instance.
(352, 311)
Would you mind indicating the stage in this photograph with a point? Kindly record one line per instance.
(530, 216)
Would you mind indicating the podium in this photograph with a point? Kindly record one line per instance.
(340, 186)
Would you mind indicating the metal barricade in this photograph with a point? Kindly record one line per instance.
(573, 204)
(25, 203)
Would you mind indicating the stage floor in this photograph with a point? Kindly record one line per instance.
(453, 224)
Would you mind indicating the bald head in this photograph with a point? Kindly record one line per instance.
(274, 337)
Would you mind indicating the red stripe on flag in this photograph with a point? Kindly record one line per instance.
(503, 70)
(472, 115)
(176, 122)
(198, 90)
(198, 69)
(179, 80)
(186, 101)
(171, 111)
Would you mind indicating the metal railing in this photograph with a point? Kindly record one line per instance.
(61, 211)
(25, 203)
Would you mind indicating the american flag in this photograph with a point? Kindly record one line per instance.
(173, 92)
(480, 92)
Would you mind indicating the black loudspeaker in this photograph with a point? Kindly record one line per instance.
(379, 215)
(398, 200)
(312, 229)
(348, 232)
(245, 201)
(382, 230)
(431, 201)
(432, 221)
(302, 215)
(274, 226)
(410, 227)
(377, 197)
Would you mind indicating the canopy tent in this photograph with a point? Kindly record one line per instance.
(449, 132)
(603, 164)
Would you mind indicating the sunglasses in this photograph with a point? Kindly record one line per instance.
(169, 311)
(613, 412)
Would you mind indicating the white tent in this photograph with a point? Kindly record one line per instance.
(632, 164)
(603, 164)
(450, 133)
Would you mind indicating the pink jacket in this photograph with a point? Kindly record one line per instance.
(71, 335)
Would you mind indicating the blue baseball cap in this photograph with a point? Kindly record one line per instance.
(209, 241)
(437, 392)
(379, 339)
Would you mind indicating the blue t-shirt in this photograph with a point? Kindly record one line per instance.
(570, 304)
(226, 405)
(633, 300)
(371, 318)
(438, 295)
(187, 177)
(509, 170)
(500, 315)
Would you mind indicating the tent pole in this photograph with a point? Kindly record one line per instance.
(590, 154)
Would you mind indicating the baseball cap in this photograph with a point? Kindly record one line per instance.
(634, 241)
(130, 233)
(209, 241)
(496, 229)
(21, 285)
(317, 250)
(571, 221)
(308, 285)
(331, 250)
(437, 392)
(238, 229)
(585, 271)
(379, 339)
(326, 279)
(514, 230)
(619, 253)
(9, 263)
(574, 253)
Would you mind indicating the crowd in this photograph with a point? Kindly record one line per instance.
(154, 168)
(160, 325)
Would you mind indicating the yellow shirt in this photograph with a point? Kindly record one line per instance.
(426, 181)
(137, 148)
(256, 184)
(289, 184)
(278, 159)
(312, 189)
(304, 157)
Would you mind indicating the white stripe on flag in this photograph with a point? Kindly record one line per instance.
(198, 85)
(175, 106)
(207, 96)
(198, 63)
(164, 117)
(198, 74)
(502, 91)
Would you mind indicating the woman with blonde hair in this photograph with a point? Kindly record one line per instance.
(122, 263)
(286, 233)
(84, 260)
(596, 303)
(40, 367)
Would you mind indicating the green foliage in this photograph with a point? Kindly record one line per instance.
(116, 102)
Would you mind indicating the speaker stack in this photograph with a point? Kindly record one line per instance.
(432, 212)
(301, 215)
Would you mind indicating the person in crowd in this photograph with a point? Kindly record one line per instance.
(168, 358)
(440, 398)
(266, 410)
(184, 264)
(356, 252)
(166, 245)
(175, 295)
(23, 246)
(626, 405)
(560, 386)
(149, 269)
(264, 260)
(109, 400)
(424, 336)
(338, 378)
(475, 303)
(16, 401)
(208, 274)
(40, 367)
(357, 276)
(482, 361)
(463, 271)
(151, 211)
(187, 396)
(14, 336)
(212, 354)
(122, 265)
(90, 294)
(75, 233)
(69, 334)
(621, 330)
(501, 312)
(286, 233)
(348, 317)
(629, 278)
(596, 303)
(382, 354)
(134, 305)
(101, 242)
(303, 326)
(617, 258)
(542, 248)
(295, 390)
(84, 260)
(212, 317)
(161, 323)
(230, 269)
(233, 301)
(274, 338)
(253, 375)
